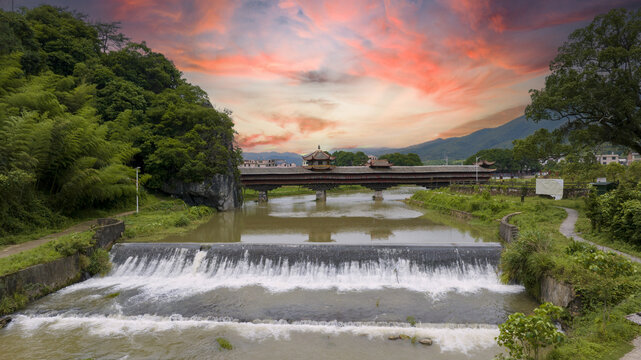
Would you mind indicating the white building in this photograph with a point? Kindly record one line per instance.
(266, 163)
(606, 159)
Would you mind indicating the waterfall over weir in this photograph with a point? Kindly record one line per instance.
(187, 268)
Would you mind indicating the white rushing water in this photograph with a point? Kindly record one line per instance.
(449, 337)
(181, 275)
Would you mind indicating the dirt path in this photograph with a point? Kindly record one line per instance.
(14, 249)
(635, 354)
(567, 229)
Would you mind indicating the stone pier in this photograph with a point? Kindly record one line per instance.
(321, 195)
(378, 195)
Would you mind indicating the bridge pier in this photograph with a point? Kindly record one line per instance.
(378, 195)
(262, 196)
(321, 195)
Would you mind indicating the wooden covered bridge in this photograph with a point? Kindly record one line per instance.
(374, 178)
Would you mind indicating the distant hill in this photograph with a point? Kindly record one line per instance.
(466, 146)
(289, 157)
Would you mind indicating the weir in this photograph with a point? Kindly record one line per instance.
(422, 256)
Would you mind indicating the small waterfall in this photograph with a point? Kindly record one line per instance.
(187, 269)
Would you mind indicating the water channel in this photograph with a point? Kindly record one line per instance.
(287, 279)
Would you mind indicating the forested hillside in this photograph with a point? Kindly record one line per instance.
(81, 107)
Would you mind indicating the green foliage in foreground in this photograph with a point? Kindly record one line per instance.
(605, 283)
(525, 336)
(55, 249)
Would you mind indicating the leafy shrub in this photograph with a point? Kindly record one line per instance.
(182, 220)
(617, 212)
(525, 336)
(100, 263)
(527, 259)
(197, 212)
(72, 244)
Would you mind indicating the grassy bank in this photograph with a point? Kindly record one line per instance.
(53, 250)
(252, 195)
(64, 223)
(161, 217)
(608, 286)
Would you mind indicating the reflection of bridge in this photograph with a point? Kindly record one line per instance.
(377, 179)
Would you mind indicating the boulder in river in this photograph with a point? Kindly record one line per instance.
(394, 337)
(425, 341)
(4, 321)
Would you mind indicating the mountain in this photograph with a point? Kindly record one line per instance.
(466, 146)
(288, 157)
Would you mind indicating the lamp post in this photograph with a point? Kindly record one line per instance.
(137, 168)
(476, 164)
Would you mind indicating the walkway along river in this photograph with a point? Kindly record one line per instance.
(258, 279)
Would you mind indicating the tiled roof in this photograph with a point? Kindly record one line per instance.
(369, 170)
(318, 155)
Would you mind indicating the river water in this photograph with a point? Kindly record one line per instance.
(289, 279)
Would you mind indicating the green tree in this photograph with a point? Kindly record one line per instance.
(398, 159)
(503, 158)
(595, 81)
(524, 336)
(346, 158)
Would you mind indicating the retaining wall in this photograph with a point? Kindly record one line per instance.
(507, 231)
(39, 280)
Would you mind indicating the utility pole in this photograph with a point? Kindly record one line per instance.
(137, 168)
(477, 169)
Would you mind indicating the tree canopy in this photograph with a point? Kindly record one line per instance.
(346, 158)
(79, 110)
(398, 159)
(595, 82)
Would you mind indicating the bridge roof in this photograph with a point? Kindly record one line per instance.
(367, 170)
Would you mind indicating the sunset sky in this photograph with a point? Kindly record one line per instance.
(352, 73)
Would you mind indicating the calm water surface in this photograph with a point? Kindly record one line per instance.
(173, 302)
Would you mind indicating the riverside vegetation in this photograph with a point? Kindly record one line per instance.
(608, 286)
(80, 108)
(159, 217)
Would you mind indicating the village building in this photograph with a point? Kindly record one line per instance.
(605, 159)
(271, 163)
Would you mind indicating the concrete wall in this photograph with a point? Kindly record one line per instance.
(507, 231)
(39, 280)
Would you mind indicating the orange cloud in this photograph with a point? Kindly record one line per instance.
(252, 140)
(305, 124)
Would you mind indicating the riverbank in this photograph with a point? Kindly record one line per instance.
(159, 217)
(605, 287)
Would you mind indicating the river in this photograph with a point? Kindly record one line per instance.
(288, 279)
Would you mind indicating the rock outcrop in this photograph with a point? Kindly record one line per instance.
(221, 192)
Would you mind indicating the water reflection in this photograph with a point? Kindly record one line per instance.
(345, 218)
